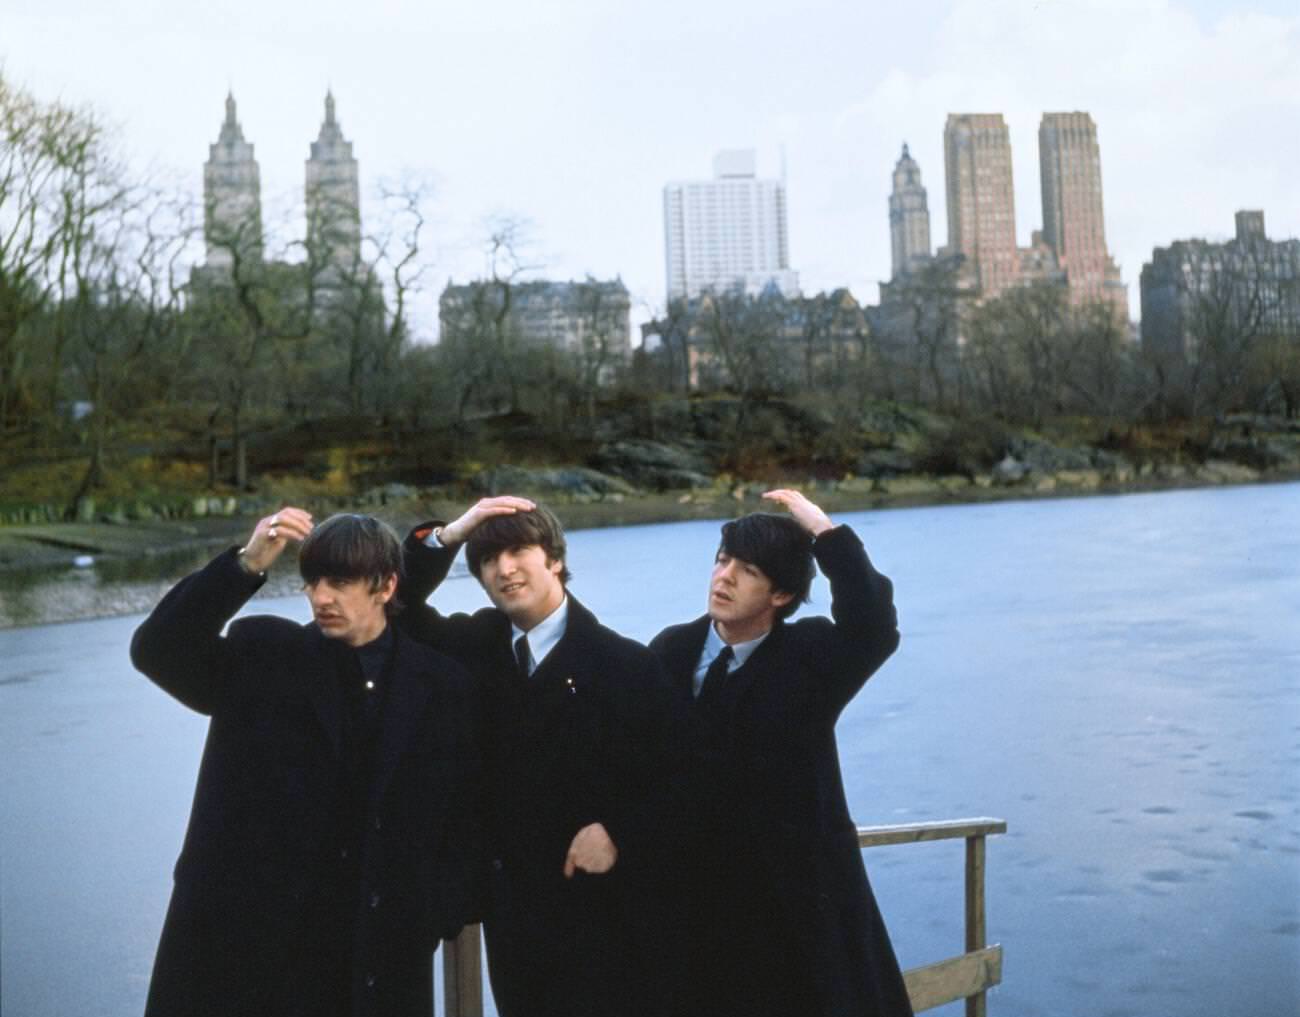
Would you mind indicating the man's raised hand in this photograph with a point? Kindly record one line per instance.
(271, 536)
(459, 531)
(805, 513)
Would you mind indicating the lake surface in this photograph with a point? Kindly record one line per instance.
(1118, 678)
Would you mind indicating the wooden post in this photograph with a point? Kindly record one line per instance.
(976, 1005)
(462, 975)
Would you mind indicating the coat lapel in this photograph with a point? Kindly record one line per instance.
(742, 679)
(559, 664)
(684, 655)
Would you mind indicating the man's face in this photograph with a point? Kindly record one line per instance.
(348, 609)
(521, 582)
(742, 601)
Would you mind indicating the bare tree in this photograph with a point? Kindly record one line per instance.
(480, 336)
(122, 311)
(56, 180)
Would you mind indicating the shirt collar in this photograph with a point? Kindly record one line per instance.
(543, 636)
(714, 645)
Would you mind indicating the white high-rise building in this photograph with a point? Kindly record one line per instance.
(729, 232)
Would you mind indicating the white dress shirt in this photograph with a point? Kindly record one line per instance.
(543, 636)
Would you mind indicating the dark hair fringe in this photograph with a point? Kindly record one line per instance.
(352, 546)
(539, 526)
(780, 548)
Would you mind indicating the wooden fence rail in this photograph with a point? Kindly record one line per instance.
(967, 976)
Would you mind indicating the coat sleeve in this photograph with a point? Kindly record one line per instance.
(423, 570)
(864, 628)
(180, 646)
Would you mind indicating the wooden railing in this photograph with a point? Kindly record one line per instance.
(967, 976)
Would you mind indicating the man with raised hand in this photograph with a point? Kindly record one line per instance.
(575, 733)
(334, 837)
(778, 916)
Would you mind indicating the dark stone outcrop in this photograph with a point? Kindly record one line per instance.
(653, 465)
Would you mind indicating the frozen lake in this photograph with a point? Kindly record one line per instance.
(1116, 677)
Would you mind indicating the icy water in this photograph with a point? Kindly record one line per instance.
(1117, 678)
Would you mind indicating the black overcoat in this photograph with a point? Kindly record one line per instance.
(784, 781)
(258, 867)
(584, 739)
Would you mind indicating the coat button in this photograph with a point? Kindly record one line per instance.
(378, 823)
(370, 981)
(496, 864)
(374, 901)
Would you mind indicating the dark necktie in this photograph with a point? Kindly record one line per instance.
(716, 674)
(523, 656)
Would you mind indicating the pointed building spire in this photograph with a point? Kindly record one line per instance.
(232, 135)
(909, 216)
(329, 106)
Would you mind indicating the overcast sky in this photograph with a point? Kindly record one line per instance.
(573, 114)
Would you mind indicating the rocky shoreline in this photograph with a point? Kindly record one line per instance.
(899, 458)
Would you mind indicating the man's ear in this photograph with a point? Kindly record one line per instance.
(780, 598)
(387, 588)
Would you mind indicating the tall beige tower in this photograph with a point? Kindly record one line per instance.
(909, 217)
(232, 197)
(981, 199)
(333, 202)
(1073, 225)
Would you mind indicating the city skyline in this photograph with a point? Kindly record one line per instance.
(582, 114)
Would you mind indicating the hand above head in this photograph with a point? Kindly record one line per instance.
(591, 851)
(458, 531)
(272, 535)
(805, 513)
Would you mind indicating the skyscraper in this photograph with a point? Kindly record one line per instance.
(909, 216)
(981, 199)
(1073, 225)
(232, 197)
(333, 202)
(727, 232)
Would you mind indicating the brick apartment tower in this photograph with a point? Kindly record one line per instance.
(909, 217)
(1073, 225)
(981, 199)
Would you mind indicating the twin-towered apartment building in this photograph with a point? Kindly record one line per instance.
(1070, 250)
(232, 202)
